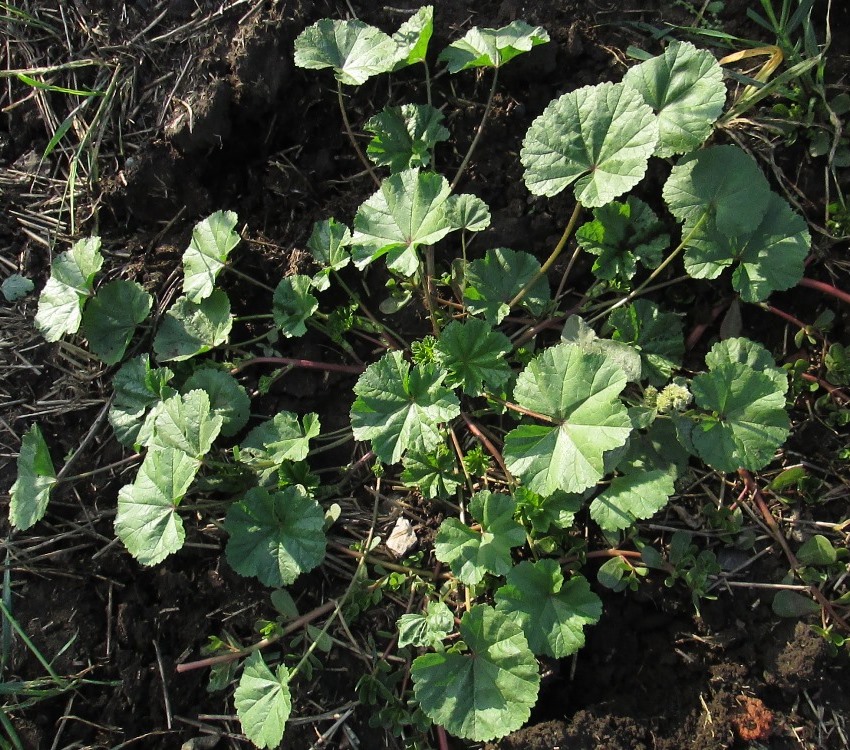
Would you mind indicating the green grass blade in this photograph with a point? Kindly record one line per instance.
(14, 741)
(63, 128)
(56, 89)
(30, 645)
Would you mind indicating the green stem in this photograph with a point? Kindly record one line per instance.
(247, 318)
(360, 154)
(249, 279)
(462, 168)
(427, 81)
(552, 257)
(391, 339)
(426, 283)
(30, 645)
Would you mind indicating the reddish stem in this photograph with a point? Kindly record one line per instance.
(791, 319)
(486, 442)
(522, 410)
(442, 739)
(822, 286)
(307, 364)
(614, 553)
(836, 393)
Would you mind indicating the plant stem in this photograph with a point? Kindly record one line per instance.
(836, 393)
(826, 289)
(552, 257)
(249, 279)
(305, 363)
(488, 444)
(426, 283)
(462, 168)
(427, 81)
(521, 409)
(383, 563)
(790, 318)
(101, 469)
(391, 339)
(360, 154)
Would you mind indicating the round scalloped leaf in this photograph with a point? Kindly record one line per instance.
(685, 87)
(750, 353)
(492, 48)
(598, 137)
(275, 536)
(769, 254)
(413, 36)
(405, 136)
(293, 304)
(468, 212)
(722, 183)
(474, 356)
(434, 474)
(263, 701)
(355, 50)
(212, 240)
(16, 287)
(188, 329)
(228, 399)
(110, 319)
(138, 388)
(184, 422)
(486, 692)
(428, 630)
(30, 493)
(632, 497)
(494, 280)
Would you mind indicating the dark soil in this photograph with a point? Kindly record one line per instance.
(247, 131)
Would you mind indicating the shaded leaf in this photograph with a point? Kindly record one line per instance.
(474, 356)
(185, 423)
(110, 319)
(188, 329)
(228, 399)
(657, 335)
(468, 212)
(493, 281)
(435, 474)
(138, 387)
(428, 630)
(16, 287)
(293, 304)
(404, 137)
(277, 440)
(327, 244)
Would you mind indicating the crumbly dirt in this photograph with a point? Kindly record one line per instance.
(237, 126)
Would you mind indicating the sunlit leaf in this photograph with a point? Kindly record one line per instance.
(36, 476)
(492, 48)
(293, 305)
(188, 329)
(212, 240)
(262, 701)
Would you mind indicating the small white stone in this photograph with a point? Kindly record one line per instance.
(402, 539)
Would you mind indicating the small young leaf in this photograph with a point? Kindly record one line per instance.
(685, 88)
(472, 554)
(492, 48)
(598, 137)
(657, 335)
(327, 244)
(413, 36)
(30, 493)
(579, 392)
(405, 136)
(493, 281)
(399, 408)
(552, 613)
(409, 210)
(435, 474)
(228, 399)
(263, 701)
(279, 439)
(817, 550)
(60, 304)
(185, 423)
(467, 212)
(792, 604)
(16, 287)
(621, 234)
(138, 387)
(147, 521)
(293, 304)
(188, 329)
(474, 356)
(487, 692)
(212, 240)
(428, 630)
(275, 536)
(110, 319)
(632, 497)
(557, 510)
(355, 50)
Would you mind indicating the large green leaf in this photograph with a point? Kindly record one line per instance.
(186, 423)
(578, 392)
(188, 329)
(492, 48)
(474, 356)
(262, 701)
(494, 280)
(399, 408)
(60, 304)
(768, 254)
(426, 630)
(632, 497)
(413, 36)
(656, 334)
(552, 613)
(598, 137)
(228, 399)
(404, 137)
(147, 520)
(409, 210)
(212, 240)
(355, 50)
(275, 536)
(685, 88)
(138, 387)
(472, 554)
(277, 440)
(30, 493)
(750, 353)
(293, 304)
(110, 319)
(486, 692)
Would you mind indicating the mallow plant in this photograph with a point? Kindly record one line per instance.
(546, 432)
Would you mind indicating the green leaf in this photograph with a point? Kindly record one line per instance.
(147, 521)
(188, 329)
(413, 36)
(293, 304)
(557, 510)
(579, 393)
(399, 408)
(277, 440)
(428, 630)
(792, 604)
(492, 48)
(262, 701)
(817, 550)
(747, 421)
(327, 244)
(30, 493)
(632, 497)
(749, 353)
(657, 335)
(722, 183)
(769, 255)
(468, 212)
(404, 137)
(685, 88)
(622, 234)
(474, 355)
(598, 137)
(228, 399)
(60, 304)
(185, 423)
(138, 387)
(552, 613)
(16, 287)
(212, 240)
(576, 331)
(110, 319)
(487, 692)
(658, 448)
(409, 210)
(435, 474)
(494, 281)
(275, 536)
(472, 554)
(355, 50)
